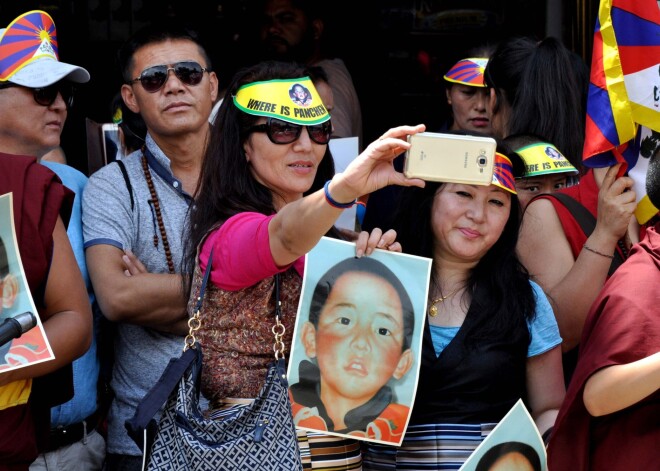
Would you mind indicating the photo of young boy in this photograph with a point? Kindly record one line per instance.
(359, 342)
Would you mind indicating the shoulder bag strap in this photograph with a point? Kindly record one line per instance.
(142, 426)
(122, 167)
(587, 222)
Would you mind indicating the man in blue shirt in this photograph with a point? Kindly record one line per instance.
(74, 441)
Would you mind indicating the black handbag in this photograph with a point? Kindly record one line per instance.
(259, 435)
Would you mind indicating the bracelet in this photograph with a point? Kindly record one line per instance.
(334, 203)
(611, 257)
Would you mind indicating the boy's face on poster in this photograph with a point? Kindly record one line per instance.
(359, 340)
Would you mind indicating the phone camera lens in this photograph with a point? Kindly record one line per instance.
(482, 161)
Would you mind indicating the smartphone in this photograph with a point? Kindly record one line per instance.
(439, 157)
(110, 140)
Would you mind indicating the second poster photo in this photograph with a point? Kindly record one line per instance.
(357, 343)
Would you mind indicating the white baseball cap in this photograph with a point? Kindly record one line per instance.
(29, 53)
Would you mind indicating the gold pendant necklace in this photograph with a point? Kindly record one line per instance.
(433, 310)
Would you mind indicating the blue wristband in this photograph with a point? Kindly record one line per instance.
(334, 203)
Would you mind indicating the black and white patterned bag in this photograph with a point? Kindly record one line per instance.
(249, 437)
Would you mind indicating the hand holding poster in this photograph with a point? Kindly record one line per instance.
(357, 343)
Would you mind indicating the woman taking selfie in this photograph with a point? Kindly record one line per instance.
(490, 337)
(266, 196)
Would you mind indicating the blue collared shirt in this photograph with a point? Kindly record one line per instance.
(86, 368)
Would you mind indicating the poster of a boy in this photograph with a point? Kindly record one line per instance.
(358, 343)
(31, 347)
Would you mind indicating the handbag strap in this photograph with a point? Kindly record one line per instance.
(142, 426)
(194, 323)
(278, 329)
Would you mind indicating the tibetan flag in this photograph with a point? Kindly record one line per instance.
(625, 81)
(28, 37)
(649, 142)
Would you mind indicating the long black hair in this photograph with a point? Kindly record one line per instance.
(498, 285)
(501, 449)
(226, 185)
(541, 82)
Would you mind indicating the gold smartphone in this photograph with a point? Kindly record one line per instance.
(439, 157)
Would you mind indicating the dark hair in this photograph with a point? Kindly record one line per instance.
(317, 74)
(499, 283)
(4, 261)
(132, 125)
(370, 266)
(226, 185)
(540, 83)
(513, 142)
(163, 30)
(493, 454)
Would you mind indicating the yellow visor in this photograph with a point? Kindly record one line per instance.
(544, 159)
(292, 100)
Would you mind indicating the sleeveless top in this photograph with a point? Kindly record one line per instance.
(471, 381)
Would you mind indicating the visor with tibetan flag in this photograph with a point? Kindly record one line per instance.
(292, 100)
(542, 158)
(468, 72)
(29, 55)
(503, 174)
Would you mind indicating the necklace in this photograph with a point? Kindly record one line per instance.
(159, 216)
(433, 310)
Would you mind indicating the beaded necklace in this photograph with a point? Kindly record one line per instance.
(159, 216)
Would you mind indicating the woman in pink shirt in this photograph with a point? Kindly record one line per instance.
(267, 194)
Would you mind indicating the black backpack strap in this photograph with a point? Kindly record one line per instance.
(585, 219)
(587, 222)
(122, 167)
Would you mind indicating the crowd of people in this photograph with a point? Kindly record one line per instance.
(543, 287)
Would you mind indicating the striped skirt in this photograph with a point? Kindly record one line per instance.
(427, 447)
(326, 452)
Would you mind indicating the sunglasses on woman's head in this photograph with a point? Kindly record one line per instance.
(153, 78)
(46, 96)
(282, 132)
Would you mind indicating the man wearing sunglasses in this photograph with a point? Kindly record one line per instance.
(36, 90)
(133, 224)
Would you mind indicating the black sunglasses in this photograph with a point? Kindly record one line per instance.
(282, 132)
(46, 96)
(153, 78)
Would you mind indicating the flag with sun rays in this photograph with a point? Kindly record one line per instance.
(625, 81)
(468, 72)
(28, 37)
(503, 173)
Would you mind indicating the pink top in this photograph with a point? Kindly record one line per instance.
(242, 255)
